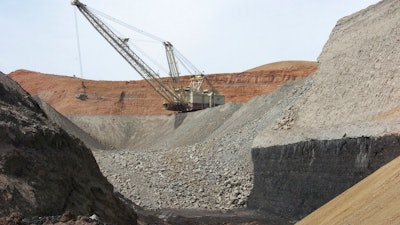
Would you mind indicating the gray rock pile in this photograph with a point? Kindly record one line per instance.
(215, 171)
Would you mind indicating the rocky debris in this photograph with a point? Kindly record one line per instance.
(286, 122)
(67, 218)
(190, 181)
(45, 171)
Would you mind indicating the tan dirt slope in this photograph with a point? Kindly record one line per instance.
(374, 200)
(137, 98)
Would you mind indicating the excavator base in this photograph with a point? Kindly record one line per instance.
(196, 100)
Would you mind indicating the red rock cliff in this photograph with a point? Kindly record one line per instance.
(137, 97)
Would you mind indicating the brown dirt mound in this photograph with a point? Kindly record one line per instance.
(137, 97)
(285, 65)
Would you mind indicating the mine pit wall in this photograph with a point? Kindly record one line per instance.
(293, 180)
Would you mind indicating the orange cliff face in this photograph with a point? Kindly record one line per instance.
(138, 98)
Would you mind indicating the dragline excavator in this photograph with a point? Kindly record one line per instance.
(178, 98)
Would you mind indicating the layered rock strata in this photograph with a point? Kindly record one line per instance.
(293, 180)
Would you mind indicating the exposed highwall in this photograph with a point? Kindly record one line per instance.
(293, 180)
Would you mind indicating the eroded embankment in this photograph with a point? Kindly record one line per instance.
(46, 171)
(293, 180)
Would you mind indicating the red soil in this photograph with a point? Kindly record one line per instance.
(106, 97)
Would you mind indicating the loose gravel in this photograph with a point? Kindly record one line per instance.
(214, 171)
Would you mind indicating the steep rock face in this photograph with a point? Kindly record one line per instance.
(293, 180)
(45, 171)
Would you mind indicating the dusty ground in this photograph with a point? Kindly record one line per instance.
(137, 98)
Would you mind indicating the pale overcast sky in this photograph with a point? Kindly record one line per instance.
(217, 36)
